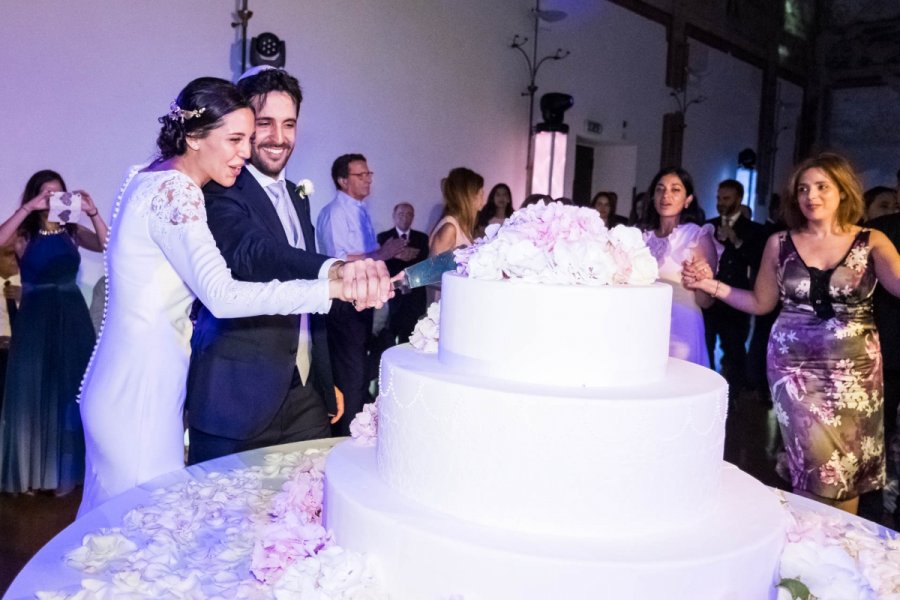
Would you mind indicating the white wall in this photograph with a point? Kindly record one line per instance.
(419, 87)
(722, 125)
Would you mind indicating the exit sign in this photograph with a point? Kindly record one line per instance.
(594, 127)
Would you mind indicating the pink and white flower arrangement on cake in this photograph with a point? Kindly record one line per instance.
(555, 243)
(427, 331)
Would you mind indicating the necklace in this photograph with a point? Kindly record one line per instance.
(51, 231)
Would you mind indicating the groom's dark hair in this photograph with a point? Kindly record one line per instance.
(257, 87)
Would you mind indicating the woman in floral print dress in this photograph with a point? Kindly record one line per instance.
(824, 355)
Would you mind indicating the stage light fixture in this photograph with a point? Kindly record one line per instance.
(267, 49)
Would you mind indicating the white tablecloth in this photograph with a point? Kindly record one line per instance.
(47, 570)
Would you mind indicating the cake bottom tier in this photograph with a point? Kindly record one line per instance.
(422, 554)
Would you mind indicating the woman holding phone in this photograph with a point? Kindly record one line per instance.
(41, 438)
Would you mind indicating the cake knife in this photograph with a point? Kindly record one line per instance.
(426, 272)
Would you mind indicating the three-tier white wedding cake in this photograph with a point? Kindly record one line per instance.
(551, 449)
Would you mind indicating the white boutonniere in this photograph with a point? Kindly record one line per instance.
(305, 188)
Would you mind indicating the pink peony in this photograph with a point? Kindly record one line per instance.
(364, 427)
(554, 243)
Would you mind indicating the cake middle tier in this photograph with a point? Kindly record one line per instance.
(551, 459)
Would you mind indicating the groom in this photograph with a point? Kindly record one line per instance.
(265, 380)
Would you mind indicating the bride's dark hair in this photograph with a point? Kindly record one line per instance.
(198, 110)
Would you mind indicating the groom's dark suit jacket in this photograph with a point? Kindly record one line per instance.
(241, 369)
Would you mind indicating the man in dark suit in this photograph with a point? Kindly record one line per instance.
(264, 380)
(744, 242)
(887, 320)
(404, 309)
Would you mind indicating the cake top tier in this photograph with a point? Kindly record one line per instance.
(559, 244)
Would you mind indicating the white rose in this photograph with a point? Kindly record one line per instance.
(584, 262)
(306, 188)
(98, 550)
(490, 232)
(828, 571)
(427, 331)
(627, 238)
(486, 264)
(524, 260)
(644, 268)
(434, 311)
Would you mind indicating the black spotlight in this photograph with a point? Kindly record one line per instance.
(267, 49)
(747, 158)
(553, 108)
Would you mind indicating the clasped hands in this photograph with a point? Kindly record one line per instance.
(364, 283)
(398, 248)
(694, 271)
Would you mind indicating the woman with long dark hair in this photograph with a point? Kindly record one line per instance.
(606, 204)
(41, 439)
(498, 208)
(161, 256)
(674, 238)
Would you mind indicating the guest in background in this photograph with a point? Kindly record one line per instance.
(498, 208)
(887, 321)
(675, 240)
(41, 437)
(404, 309)
(344, 230)
(605, 203)
(12, 296)
(535, 198)
(824, 352)
(463, 193)
(880, 201)
(743, 243)
(638, 215)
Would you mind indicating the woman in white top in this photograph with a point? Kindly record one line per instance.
(160, 257)
(674, 240)
(463, 192)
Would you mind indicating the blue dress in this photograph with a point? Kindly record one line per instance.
(41, 438)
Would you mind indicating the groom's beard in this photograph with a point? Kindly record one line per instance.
(269, 163)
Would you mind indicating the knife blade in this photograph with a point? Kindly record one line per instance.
(426, 272)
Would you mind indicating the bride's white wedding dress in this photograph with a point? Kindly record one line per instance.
(687, 339)
(160, 256)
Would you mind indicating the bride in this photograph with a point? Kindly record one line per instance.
(161, 256)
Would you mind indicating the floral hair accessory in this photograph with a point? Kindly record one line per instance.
(305, 188)
(176, 113)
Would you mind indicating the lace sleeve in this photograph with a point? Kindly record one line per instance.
(178, 226)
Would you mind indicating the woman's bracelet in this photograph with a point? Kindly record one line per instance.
(715, 293)
(92, 215)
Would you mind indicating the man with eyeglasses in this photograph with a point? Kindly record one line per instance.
(344, 230)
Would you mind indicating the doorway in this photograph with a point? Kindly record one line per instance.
(605, 167)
